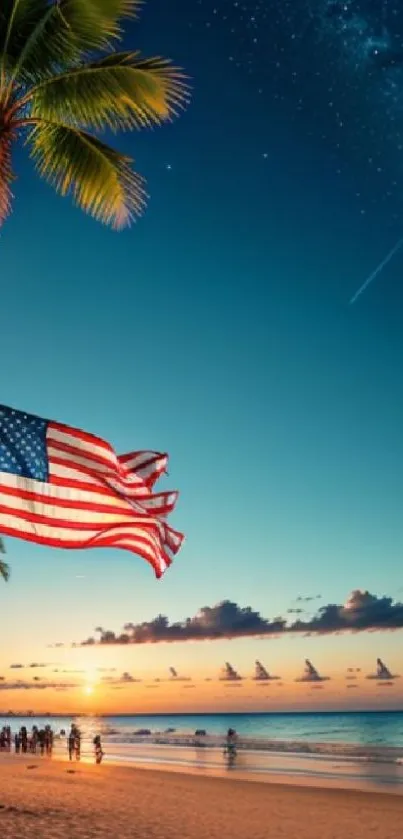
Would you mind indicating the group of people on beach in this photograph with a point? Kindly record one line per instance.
(41, 739)
(74, 744)
(38, 739)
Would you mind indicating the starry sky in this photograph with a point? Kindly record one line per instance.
(219, 329)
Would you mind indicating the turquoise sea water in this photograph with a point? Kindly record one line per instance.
(363, 728)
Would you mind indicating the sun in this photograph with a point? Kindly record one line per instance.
(88, 690)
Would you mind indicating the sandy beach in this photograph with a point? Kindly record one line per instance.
(55, 799)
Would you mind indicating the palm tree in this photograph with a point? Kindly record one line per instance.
(4, 568)
(60, 81)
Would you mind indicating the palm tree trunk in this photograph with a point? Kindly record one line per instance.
(6, 173)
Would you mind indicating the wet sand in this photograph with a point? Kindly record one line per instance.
(299, 769)
(53, 800)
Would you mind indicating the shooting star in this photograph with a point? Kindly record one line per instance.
(377, 271)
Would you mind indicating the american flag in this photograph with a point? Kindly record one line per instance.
(63, 487)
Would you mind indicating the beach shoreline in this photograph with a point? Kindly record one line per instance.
(316, 769)
(291, 770)
(46, 799)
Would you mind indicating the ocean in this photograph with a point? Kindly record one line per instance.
(380, 728)
(364, 749)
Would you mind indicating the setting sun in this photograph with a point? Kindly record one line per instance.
(89, 690)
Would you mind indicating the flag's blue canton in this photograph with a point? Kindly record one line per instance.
(23, 444)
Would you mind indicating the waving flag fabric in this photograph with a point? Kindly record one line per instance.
(63, 487)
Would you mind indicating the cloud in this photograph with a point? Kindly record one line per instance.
(225, 620)
(309, 598)
(16, 666)
(35, 664)
(263, 675)
(311, 674)
(352, 673)
(295, 611)
(125, 679)
(350, 687)
(173, 677)
(383, 673)
(361, 612)
(75, 672)
(229, 674)
(34, 685)
(176, 677)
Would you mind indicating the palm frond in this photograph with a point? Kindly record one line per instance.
(39, 35)
(111, 12)
(4, 570)
(6, 175)
(122, 90)
(17, 19)
(50, 43)
(100, 179)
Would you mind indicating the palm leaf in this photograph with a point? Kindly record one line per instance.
(17, 19)
(100, 179)
(122, 90)
(4, 568)
(37, 35)
(51, 41)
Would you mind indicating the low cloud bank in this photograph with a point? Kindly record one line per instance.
(362, 612)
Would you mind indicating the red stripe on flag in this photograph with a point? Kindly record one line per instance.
(82, 454)
(92, 506)
(69, 524)
(112, 542)
(92, 439)
(72, 484)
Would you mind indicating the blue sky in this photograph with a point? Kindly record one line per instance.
(218, 328)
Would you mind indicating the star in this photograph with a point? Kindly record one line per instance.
(265, 155)
(168, 167)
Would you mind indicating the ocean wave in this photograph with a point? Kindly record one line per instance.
(348, 751)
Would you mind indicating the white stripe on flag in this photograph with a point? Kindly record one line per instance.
(83, 446)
